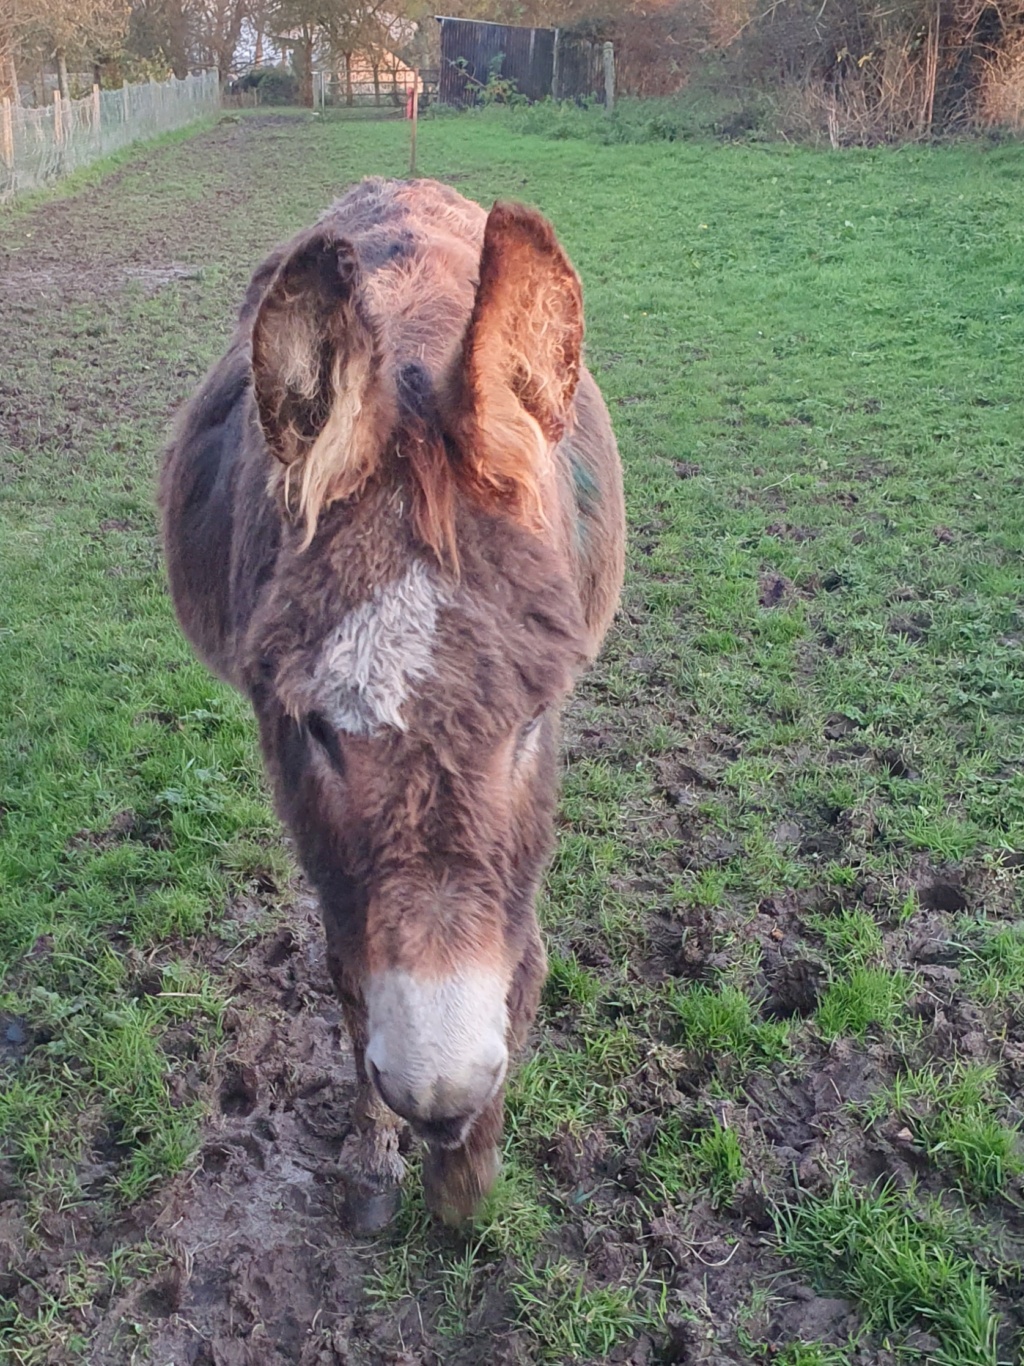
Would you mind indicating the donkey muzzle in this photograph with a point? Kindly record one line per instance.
(436, 1051)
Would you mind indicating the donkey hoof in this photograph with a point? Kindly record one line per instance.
(455, 1183)
(370, 1209)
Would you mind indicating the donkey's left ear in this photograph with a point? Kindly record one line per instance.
(521, 356)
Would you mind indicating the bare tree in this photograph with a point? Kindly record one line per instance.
(341, 28)
(214, 29)
(297, 26)
(261, 17)
(355, 26)
(79, 30)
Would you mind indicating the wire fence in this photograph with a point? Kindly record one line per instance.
(39, 146)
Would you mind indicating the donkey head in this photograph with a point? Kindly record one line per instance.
(416, 639)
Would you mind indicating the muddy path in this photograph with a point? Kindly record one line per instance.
(256, 1268)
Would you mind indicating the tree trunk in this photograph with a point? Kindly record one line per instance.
(62, 74)
(306, 82)
(376, 80)
(9, 80)
(258, 56)
(227, 44)
(349, 99)
(176, 40)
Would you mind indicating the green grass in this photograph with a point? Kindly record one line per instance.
(573, 1088)
(955, 1116)
(721, 1022)
(851, 938)
(805, 1354)
(903, 1267)
(569, 1321)
(710, 1160)
(701, 109)
(869, 998)
(97, 171)
(994, 963)
(808, 713)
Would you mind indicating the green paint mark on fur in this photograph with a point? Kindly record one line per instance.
(588, 495)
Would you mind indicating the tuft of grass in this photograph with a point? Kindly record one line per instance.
(868, 998)
(570, 1320)
(422, 1264)
(903, 1267)
(721, 1022)
(993, 964)
(718, 1159)
(955, 1117)
(709, 1160)
(572, 988)
(573, 1088)
(851, 938)
(809, 1354)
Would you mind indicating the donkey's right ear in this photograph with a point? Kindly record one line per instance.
(312, 344)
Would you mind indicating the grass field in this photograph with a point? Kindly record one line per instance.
(772, 1110)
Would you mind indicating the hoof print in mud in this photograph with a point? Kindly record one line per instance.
(238, 1093)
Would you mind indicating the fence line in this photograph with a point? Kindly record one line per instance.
(39, 146)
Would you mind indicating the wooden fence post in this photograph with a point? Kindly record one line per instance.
(609, 78)
(58, 119)
(7, 134)
(96, 110)
(125, 102)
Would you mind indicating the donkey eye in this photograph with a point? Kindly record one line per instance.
(326, 738)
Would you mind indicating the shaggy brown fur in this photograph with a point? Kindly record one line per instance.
(403, 410)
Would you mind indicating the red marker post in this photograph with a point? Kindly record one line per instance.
(414, 115)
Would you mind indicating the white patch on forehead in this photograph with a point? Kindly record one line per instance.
(380, 650)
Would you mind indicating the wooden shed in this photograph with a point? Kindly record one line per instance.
(543, 62)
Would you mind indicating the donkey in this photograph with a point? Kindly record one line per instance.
(393, 518)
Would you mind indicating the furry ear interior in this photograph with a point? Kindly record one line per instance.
(315, 367)
(312, 344)
(521, 360)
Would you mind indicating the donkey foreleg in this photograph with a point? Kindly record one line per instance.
(373, 1165)
(457, 1180)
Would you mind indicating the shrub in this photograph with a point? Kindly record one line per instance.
(273, 84)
